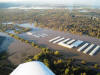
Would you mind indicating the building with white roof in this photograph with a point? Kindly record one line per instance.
(80, 45)
(77, 43)
(95, 50)
(54, 38)
(29, 33)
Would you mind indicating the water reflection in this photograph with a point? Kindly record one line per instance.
(5, 42)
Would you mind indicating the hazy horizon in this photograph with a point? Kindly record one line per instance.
(69, 2)
(48, 3)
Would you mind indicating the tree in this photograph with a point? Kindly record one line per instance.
(56, 52)
(35, 23)
(33, 44)
(98, 74)
(46, 62)
(66, 71)
(96, 66)
(26, 41)
(83, 73)
(83, 62)
(36, 57)
(59, 61)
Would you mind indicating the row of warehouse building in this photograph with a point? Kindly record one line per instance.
(86, 47)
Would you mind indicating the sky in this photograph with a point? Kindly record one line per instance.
(86, 2)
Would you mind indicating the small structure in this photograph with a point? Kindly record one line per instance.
(66, 45)
(43, 35)
(70, 42)
(36, 36)
(29, 33)
(94, 50)
(32, 68)
(58, 40)
(84, 46)
(88, 49)
(66, 40)
(62, 43)
(54, 38)
(77, 43)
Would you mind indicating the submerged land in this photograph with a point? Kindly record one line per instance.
(18, 46)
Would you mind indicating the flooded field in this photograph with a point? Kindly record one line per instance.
(17, 51)
(44, 41)
(5, 41)
(42, 37)
(65, 51)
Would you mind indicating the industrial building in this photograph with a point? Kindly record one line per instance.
(86, 47)
(82, 47)
(94, 50)
(54, 38)
(77, 43)
(58, 40)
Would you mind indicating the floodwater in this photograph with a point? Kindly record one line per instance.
(5, 41)
(26, 25)
(83, 11)
(50, 34)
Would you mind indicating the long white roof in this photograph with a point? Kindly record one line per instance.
(32, 68)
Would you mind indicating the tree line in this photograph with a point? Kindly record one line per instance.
(76, 23)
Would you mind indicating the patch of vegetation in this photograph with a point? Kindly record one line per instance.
(60, 66)
(6, 67)
(17, 29)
